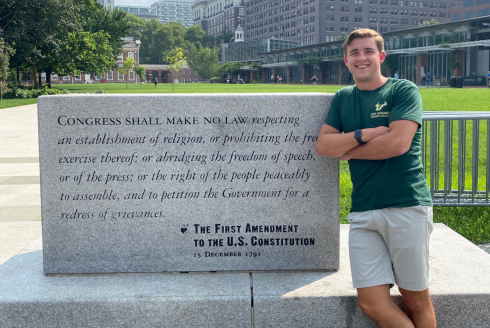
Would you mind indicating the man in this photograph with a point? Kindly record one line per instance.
(391, 214)
(396, 76)
(427, 79)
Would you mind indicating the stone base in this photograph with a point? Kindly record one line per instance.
(459, 280)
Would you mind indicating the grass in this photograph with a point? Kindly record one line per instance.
(471, 222)
(6, 103)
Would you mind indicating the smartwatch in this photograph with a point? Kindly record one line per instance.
(358, 136)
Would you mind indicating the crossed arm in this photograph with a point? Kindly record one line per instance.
(381, 142)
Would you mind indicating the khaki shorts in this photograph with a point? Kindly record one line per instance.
(389, 246)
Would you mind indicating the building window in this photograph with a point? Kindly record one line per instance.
(121, 76)
(54, 77)
(109, 76)
(66, 78)
(98, 77)
(77, 77)
(131, 75)
(120, 57)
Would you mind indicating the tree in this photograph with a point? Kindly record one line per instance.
(226, 35)
(47, 35)
(433, 21)
(343, 36)
(229, 68)
(140, 71)
(175, 59)
(203, 60)
(194, 34)
(5, 52)
(127, 66)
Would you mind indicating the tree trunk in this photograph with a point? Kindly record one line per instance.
(49, 70)
(34, 74)
(1, 99)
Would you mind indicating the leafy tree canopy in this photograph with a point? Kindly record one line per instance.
(230, 68)
(203, 60)
(43, 35)
(433, 21)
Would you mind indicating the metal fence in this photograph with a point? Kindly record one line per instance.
(456, 157)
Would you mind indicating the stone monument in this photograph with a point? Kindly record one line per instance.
(202, 182)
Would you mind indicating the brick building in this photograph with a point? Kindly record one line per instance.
(471, 9)
(318, 21)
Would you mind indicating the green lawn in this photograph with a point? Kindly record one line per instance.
(473, 223)
(6, 103)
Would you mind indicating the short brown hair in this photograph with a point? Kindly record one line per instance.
(364, 33)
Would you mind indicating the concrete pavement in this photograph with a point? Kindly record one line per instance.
(20, 201)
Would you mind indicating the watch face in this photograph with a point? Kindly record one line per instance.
(358, 136)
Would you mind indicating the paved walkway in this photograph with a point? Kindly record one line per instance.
(20, 202)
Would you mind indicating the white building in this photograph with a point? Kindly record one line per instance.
(108, 4)
(174, 11)
(142, 12)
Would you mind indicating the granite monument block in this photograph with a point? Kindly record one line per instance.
(201, 182)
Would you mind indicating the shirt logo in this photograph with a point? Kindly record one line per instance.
(379, 107)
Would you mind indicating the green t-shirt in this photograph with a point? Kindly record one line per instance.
(393, 182)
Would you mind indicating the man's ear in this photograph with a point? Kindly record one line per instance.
(345, 61)
(382, 57)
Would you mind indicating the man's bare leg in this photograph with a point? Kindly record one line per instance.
(418, 308)
(377, 304)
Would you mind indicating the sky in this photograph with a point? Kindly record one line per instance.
(143, 3)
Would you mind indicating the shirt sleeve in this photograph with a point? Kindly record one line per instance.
(333, 116)
(407, 104)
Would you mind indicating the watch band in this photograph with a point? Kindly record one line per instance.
(358, 136)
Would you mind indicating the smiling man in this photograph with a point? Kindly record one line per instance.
(375, 126)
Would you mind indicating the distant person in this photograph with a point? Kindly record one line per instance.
(314, 79)
(156, 82)
(427, 79)
(396, 76)
(228, 80)
(277, 78)
(280, 79)
(272, 78)
(489, 79)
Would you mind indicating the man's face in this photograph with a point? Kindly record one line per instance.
(363, 59)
